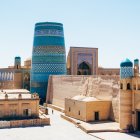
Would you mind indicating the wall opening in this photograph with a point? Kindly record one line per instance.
(121, 86)
(78, 112)
(84, 69)
(78, 73)
(128, 86)
(27, 112)
(138, 120)
(96, 116)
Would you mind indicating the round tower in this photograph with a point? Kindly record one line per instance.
(48, 56)
(136, 67)
(17, 64)
(125, 108)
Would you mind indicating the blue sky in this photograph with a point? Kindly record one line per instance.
(112, 26)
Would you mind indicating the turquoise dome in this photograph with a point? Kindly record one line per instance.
(126, 63)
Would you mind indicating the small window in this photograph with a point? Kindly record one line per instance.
(27, 112)
(78, 112)
(128, 86)
(121, 86)
(69, 109)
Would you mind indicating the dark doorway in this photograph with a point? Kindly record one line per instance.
(138, 121)
(84, 69)
(128, 86)
(78, 73)
(96, 116)
(25, 112)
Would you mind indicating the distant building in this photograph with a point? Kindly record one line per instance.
(18, 103)
(108, 71)
(48, 56)
(17, 76)
(87, 108)
(129, 95)
(82, 61)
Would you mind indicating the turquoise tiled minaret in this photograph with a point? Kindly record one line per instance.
(17, 62)
(48, 55)
(126, 69)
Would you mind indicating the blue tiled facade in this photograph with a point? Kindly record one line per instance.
(126, 69)
(48, 55)
(17, 61)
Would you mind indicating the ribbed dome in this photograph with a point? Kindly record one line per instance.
(126, 63)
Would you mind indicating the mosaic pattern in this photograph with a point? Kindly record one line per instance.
(82, 57)
(45, 25)
(51, 68)
(43, 50)
(49, 32)
(126, 72)
(17, 60)
(48, 56)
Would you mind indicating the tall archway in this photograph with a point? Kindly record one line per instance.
(84, 69)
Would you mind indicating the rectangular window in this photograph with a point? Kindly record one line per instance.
(27, 112)
(69, 109)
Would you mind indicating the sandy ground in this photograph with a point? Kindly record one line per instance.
(60, 129)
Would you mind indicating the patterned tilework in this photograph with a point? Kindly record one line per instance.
(48, 55)
(89, 58)
(94, 71)
(82, 57)
(43, 50)
(49, 32)
(126, 72)
(17, 61)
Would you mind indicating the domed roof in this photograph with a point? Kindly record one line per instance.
(126, 63)
(136, 60)
(17, 57)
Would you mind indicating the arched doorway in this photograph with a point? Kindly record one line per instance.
(84, 69)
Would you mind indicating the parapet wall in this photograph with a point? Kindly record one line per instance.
(100, 87)
(25, 123)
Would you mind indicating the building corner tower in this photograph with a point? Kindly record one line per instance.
(48, 56)
(125, 108)
(136, 67)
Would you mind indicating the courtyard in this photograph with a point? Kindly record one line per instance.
(59, 129)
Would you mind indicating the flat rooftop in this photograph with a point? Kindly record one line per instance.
(14, 94)
(86, 98)
(15, 91)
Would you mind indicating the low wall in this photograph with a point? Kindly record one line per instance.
(25, 123)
